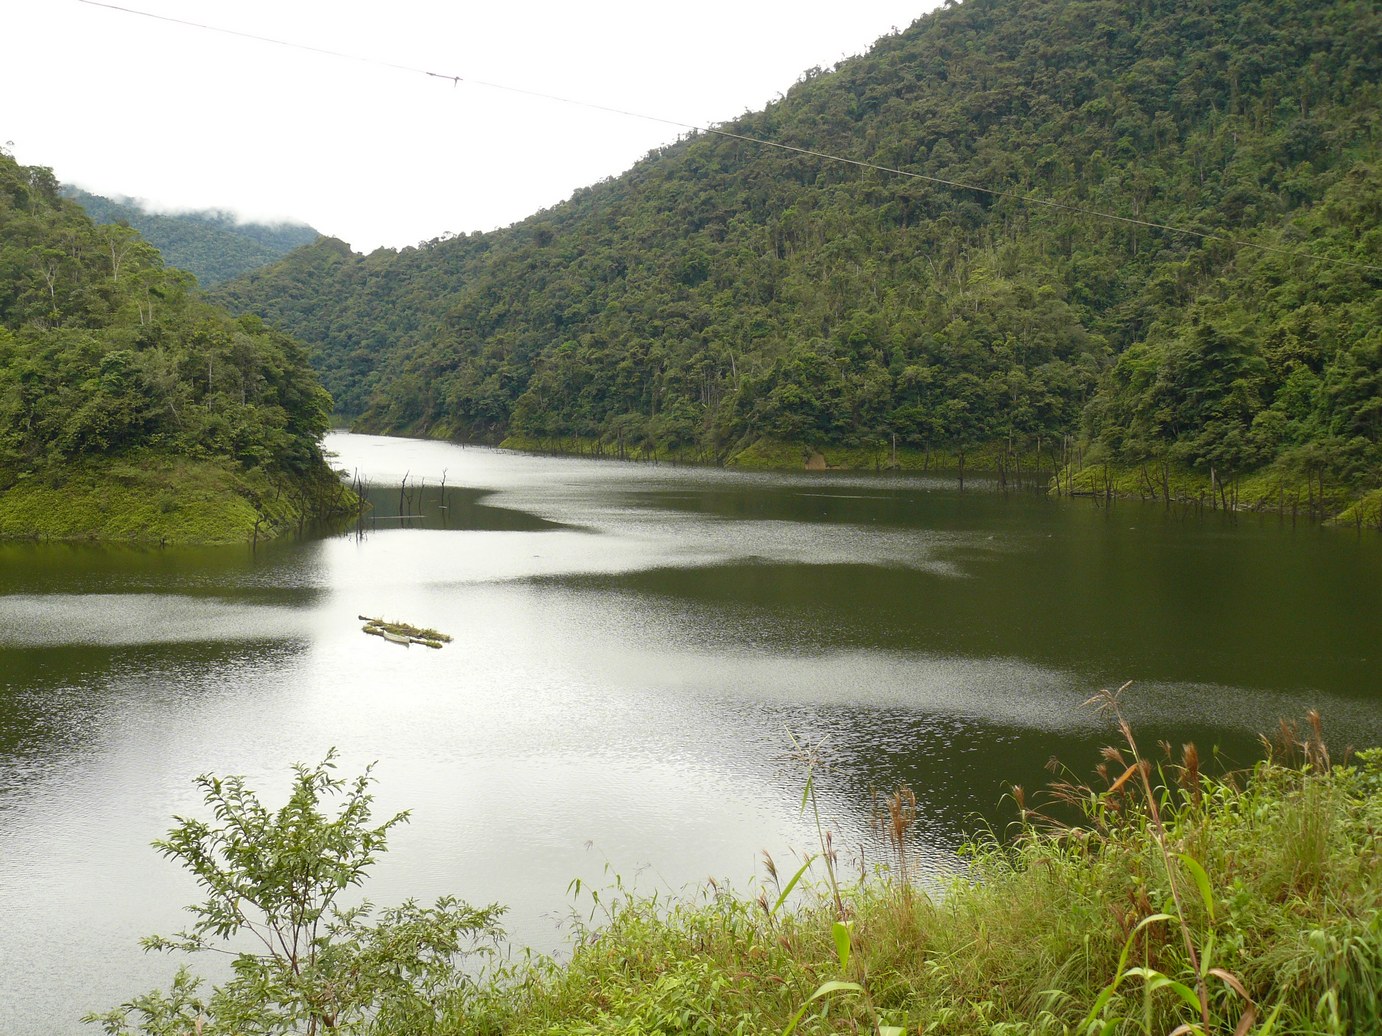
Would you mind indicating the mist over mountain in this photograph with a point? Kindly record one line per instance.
(215, 245)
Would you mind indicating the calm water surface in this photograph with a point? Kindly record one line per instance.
(633, 646)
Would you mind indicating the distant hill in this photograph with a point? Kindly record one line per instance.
(722, 294)
(213, 245)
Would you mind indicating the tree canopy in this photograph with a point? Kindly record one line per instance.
(214, 246)
(104, 350)
(721, 291)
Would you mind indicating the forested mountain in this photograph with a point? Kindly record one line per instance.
(213, 245)
(723, 292)
(107, 355)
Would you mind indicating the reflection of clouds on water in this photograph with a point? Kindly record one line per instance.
(701, 542)
(1250, 711)
(126, 619)
(613, 517)
(1004, 692)
(432, 557)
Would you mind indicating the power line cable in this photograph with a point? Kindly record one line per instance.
(1026, 199)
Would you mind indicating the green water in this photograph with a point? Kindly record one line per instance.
(633, 646)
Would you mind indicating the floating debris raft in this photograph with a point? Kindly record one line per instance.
(403, 633)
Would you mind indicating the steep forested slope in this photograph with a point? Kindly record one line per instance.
(129, 405)
(359, 312)
(214, 246)
(722, 292)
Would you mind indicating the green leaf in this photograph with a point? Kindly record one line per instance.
(825, 989)
(840, 932)
(1270, 1023)
(1202, 880)
(834, 986)
(1156, 980)
(787, 890)
(1106, 994)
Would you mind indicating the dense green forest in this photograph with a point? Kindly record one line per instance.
(212, 245)
(722, 293)
(120, 386)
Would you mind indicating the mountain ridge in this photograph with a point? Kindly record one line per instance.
(721, 293)
(215, 245)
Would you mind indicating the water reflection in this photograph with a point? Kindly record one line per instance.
(635, 647)
(441, 507)
(56, 705)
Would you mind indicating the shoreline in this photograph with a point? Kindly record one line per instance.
(150, 499)
(1261, 492)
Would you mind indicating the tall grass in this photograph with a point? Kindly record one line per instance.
(1175, 902)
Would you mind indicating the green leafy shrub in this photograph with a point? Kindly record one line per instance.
(274, 879)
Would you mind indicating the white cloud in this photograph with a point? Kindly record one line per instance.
(118, 103)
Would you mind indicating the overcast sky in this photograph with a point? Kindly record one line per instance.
(185, 118)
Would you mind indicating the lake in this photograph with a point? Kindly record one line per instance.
(635, 647)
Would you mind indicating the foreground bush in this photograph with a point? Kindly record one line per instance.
(273, 882)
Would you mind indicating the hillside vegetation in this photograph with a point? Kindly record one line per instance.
(722, 293)
(211, 245)
(132, 408)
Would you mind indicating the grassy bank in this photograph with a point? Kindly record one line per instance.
(1366, 511)
(1155, 899)
(1260, 491)
(600, 449)
(983, 461)
(1240, 904)
(155, 498)
(772, 455)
